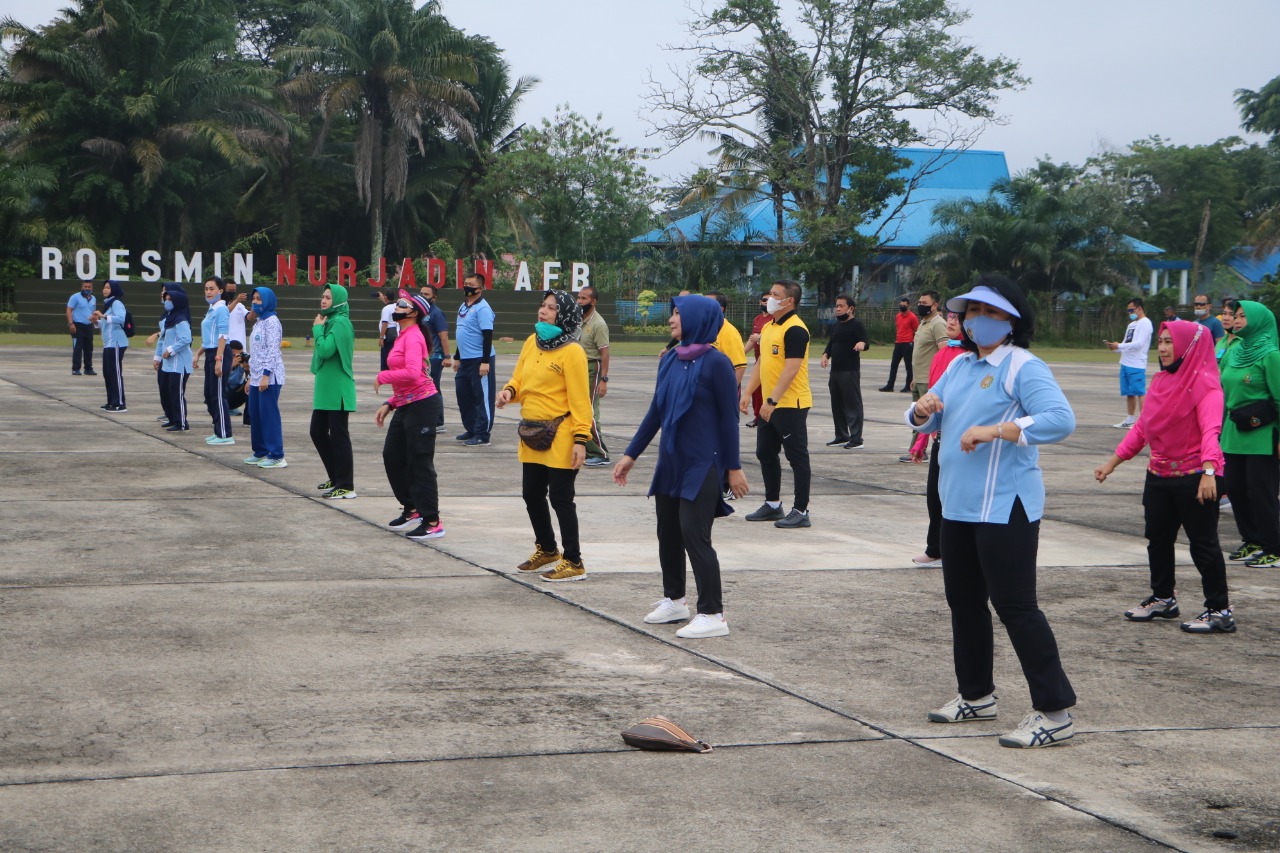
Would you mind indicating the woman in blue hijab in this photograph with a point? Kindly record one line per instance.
(695, 405)
(266, 379)
(173, 351)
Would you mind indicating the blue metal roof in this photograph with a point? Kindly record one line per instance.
(1252, 269)
(940, 175)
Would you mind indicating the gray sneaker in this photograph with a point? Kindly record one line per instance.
(1212, 622)
(766, 513)
(1151, 607)
(1036, 731)
(795, 518)
(958, 710)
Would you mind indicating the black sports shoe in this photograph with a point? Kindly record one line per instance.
(405, 520)
(837, 441)
(885, 388)
(766, 513)
(1212, 622)
(88, 372)
(795, 518)
(466, 436)
(119, 410)
(853, 445)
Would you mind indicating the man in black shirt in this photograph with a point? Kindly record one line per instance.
(848, 338)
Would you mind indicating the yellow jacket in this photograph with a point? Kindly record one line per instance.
(548, 384)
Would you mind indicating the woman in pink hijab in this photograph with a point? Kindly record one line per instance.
(1181, 420)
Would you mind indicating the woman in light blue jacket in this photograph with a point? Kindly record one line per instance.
(110, 322)
(173, 351)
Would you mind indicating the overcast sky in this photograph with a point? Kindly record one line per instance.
(1104, 72)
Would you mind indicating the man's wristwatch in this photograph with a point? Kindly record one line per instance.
(603, 379)
(771, 401)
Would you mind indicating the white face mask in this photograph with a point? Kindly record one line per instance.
(1202, 312)
(773, 305)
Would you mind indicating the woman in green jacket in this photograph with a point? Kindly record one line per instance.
(335, 393)
(1251, 386)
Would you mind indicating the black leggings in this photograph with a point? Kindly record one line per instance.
(541, 482)
(685, 526)
(409, 456)
(332, 439)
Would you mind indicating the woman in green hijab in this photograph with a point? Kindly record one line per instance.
(335, 393)
(1251, 386)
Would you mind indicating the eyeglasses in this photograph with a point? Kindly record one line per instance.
(1201, 304)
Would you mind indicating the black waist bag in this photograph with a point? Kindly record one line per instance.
(1253, 415)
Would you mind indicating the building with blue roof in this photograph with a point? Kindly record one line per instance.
(932, 176)
(1254, 270)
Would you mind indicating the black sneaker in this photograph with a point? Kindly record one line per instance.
(466, 436)
(326, 486)
(1245, 552)
(119, 410)
(405, 520)
(795, 518)
(853, 445)
(885, 388)
(766, 513)
(837, 441)
(477, 441)
(90, 373)
(75, 373)
(106, 407)
(1212, 622)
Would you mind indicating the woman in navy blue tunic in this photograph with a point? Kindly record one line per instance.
(696, 406)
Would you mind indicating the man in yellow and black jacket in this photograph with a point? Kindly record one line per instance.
(782, 374)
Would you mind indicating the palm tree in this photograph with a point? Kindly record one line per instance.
(1260, 113)
(401, 72)
(136, 105)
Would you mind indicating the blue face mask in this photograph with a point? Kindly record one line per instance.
(548, 331)
(168, 305)
(257, 308)
(213, 300)
(1133, 315)
(987, 331)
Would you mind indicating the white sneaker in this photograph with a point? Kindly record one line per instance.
(1037, 730)
(924, 561)
(666, 610)
(960, 711)
(704, 625)
(1124, 424)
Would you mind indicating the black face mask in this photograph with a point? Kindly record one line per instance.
(399, 315)
(924, 310)
(764, 309)
(470, 291)
(228, 297)
(904, 309)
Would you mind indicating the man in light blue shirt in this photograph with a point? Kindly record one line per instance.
(475, 363)
(80, 308)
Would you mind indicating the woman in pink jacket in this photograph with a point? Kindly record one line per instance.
(409, 452)
(1181, 420)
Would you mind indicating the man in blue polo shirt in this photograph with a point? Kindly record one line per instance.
(475, 363)
(439, 343)
(80, 308)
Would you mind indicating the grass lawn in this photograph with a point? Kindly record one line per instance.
(1098, 355)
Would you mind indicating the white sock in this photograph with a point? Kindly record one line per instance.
(1057, 716)
(990, 697)
(774, 504)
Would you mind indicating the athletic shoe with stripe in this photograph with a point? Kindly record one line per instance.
(959, 710)
(1245, 552)
(1036, 730)
(1212, 622)
(1264, 561)
(273, 463)
(340, 494)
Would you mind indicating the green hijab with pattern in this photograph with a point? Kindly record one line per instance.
(337, 323)
(1258, 338)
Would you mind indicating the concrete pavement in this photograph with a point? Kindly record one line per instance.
(199, 655)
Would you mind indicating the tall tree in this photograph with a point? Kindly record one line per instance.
(584, 193)
(1260, 113)
(401, 71)
(851, 81)
(141, 109)
(1055, 236)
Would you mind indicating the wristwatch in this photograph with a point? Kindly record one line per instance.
(1209, 470)
(771, 401)
(604, 379)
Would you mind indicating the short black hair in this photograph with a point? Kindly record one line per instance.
(594, 294)
(1024, 327)
(216, 279)
(1136, 302)
(478, 276)
(719, 297)
(847, 299)
(237, 346)
(792, 289)
(391, 294)
(932, 294)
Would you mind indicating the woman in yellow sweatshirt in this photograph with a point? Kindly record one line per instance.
(550, 384)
